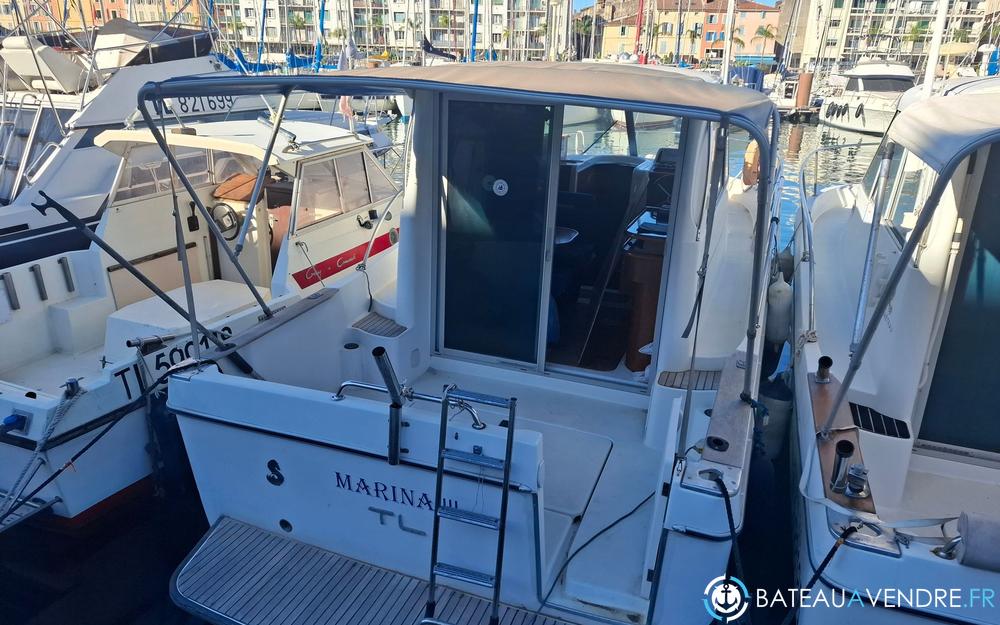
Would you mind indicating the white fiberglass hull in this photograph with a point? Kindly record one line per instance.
(858, 113)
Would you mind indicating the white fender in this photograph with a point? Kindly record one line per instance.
(779, 311)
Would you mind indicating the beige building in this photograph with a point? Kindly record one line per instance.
(671, 25)
(47, 15)
(839, 33)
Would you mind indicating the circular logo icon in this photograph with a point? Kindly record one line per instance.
(726, 598)
(500, 187)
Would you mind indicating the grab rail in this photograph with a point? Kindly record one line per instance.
(805, 219)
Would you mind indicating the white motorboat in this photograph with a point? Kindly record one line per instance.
(93, 90)
(86, 333)
(570, 431)
(867, 101)
(895, 444)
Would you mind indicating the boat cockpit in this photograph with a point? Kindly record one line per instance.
(593, 259)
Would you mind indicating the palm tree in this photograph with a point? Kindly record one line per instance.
(506, 39)
(413, 25)
(960, 35)
(298, 23)
(916, 33)
(583, 27)
(764, 33)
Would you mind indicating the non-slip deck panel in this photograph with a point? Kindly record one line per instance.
(702, 381)
(242, 574)
(374, 323)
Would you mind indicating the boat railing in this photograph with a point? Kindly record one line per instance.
(43, 154)
(806, 200)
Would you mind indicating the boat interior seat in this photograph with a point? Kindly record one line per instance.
(239, 186)
(65, 72)
(214, 300)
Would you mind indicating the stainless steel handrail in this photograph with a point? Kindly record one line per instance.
(805, 219)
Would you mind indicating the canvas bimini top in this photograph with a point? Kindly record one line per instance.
(940, 130)
(584, 84)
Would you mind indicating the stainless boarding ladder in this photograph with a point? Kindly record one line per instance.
(457, 397)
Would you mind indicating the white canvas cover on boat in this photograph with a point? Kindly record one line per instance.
(584, 84)
(593, 80)
(937, 129)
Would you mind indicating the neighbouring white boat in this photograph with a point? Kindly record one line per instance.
(867, 102)
(92, 90)
(570, 431)
(84, 339)
(896, 448)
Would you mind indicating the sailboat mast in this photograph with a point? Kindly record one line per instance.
(727, 45)
(475, 30)
(930, 72)
(318, 60)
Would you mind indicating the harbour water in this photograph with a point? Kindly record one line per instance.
(119, 573)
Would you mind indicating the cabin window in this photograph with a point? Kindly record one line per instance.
(904, 187)
(593, 131)
(354, 187)
(335, 186)
(147, 171)
(319, 194)
(961, 404)
(870, 181)
(888, 84)
(852, 85)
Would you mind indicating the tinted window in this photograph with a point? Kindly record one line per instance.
(888, 85)
(961, 406)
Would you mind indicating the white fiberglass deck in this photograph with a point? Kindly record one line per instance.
(596, 467)
(243, 574)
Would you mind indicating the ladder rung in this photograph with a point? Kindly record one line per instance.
(463, 575)
(472, 518)
(463, 456)
(479, 398)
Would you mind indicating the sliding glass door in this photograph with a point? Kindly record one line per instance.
(498, 167)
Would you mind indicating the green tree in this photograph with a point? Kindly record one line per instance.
(764, 33)
(298, 25)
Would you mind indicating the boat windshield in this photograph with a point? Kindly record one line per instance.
(906, 184)
(590, 131)
(335, 186)
(887, 84)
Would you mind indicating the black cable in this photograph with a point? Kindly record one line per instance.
(565, 563)
(850, 529)
(126, 410)
(737, 562)
(371, 298)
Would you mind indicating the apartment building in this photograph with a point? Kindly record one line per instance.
(504, 29)
(48, 15)
(694, 29)
(839, 33)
